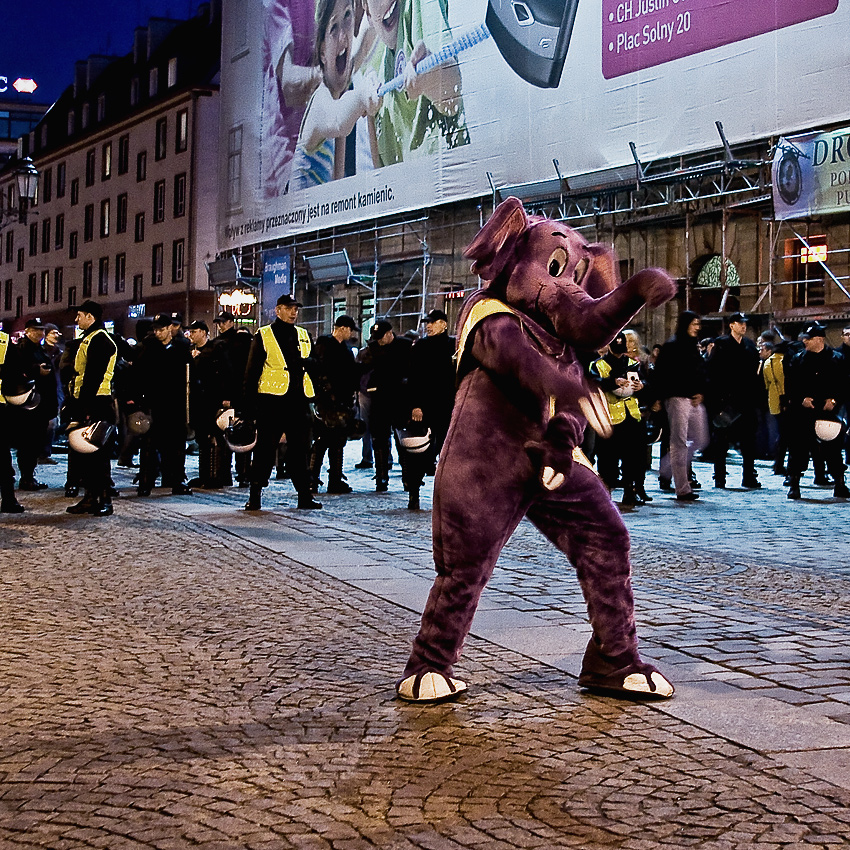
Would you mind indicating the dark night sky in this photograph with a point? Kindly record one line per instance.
(43, 39)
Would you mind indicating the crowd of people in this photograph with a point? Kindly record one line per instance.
(276, 402)
(253, 405)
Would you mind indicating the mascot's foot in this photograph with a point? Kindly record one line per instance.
(429, 687)
(622, 676)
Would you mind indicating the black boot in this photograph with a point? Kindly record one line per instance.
(413, 499)
(840, 491)
(629, 499)
(643, 496)
(103, 506)
(306, 502)
(85, 506)
(255, 498)
(794, 488)
(11, 506)
(382, 470)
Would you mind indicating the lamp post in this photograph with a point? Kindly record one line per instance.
(26, 187)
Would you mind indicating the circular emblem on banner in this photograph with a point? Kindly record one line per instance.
(790, 177)
(400, 62)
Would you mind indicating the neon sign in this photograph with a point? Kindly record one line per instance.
(22, 85)
(813, 254)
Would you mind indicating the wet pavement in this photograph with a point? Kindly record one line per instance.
(186, 674)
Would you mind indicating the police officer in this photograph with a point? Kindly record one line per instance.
(815, 384)
(335, 380)
(276, 395)
(8, 503)
(91, 401)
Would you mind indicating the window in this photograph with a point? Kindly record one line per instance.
(101, 107)
(159, 201)
(179, 195)
(137, 288)
(178, 251)
(44, 135)
(59, 241)
(103, 276)
(120, 272)
(71, 122)
(234, 167)
(140, 227)
(104, 218)
(156, 265)
(134, 91)
(121, 214)
(85, 116)
(123, 154)
(7, 295)
(60, 180)
(153, 82)
(45, 235)
(33, 238)
(19, 306)
(106, 161)
(58, 281)
(32, 286)
(72, 296)
(45, 287)
(181, 138)
(75, 191)
(10, 246)
(73, 239)
(88, 224)
(20, 265)
(47, 185)
(172, 72)
(161, 149)
(141, 166)
(91, 164)
(87, 276)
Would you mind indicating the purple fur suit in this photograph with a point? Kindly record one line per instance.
(511, 450)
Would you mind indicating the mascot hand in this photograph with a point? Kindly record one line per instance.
(553, 455)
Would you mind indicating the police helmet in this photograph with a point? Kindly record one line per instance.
(415, 438)
(23, 395)
(225, 418)
(240, 436)
(138, 423)
(87, 439)
(829, 427)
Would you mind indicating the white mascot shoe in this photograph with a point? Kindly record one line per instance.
(429, 687)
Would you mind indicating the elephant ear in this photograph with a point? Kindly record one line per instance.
(495, 243)
(603, 276)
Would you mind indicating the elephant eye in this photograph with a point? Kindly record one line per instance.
(557, 262)
(581, 269)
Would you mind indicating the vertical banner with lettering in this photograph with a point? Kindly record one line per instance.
(811, 174)
(277, 280)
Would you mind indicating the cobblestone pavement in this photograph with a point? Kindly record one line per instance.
(186, 674)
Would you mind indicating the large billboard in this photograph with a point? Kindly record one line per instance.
(336, 111)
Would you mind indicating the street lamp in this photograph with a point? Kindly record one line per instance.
(26, 184)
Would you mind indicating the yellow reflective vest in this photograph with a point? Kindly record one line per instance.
(274, 379)
(81, 360)
(618, 407)
(4, 348)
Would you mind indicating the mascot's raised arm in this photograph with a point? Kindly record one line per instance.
(512, 449)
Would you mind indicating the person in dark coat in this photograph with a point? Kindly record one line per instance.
(236, 343)
(679, 381)
(162, 366)
(276, 395)
(335, 379)
(31, 426)
(8, 501)
(816, 387)
(210, 390)
(735, 386)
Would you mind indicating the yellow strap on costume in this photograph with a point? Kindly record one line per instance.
(617, 407)
(274, 379)
(81, 360)
(4, 347)
(480, 311)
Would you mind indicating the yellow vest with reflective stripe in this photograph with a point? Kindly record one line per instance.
(4, 347)
(617, 406)
(81, 360)
(274, 379)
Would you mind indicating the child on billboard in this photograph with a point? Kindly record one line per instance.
(325, 149)
(411, 121)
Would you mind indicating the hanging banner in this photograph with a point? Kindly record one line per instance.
(811, 174)
(277, 280)
(340, 111)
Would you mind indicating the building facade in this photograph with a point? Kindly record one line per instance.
(126, 158)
